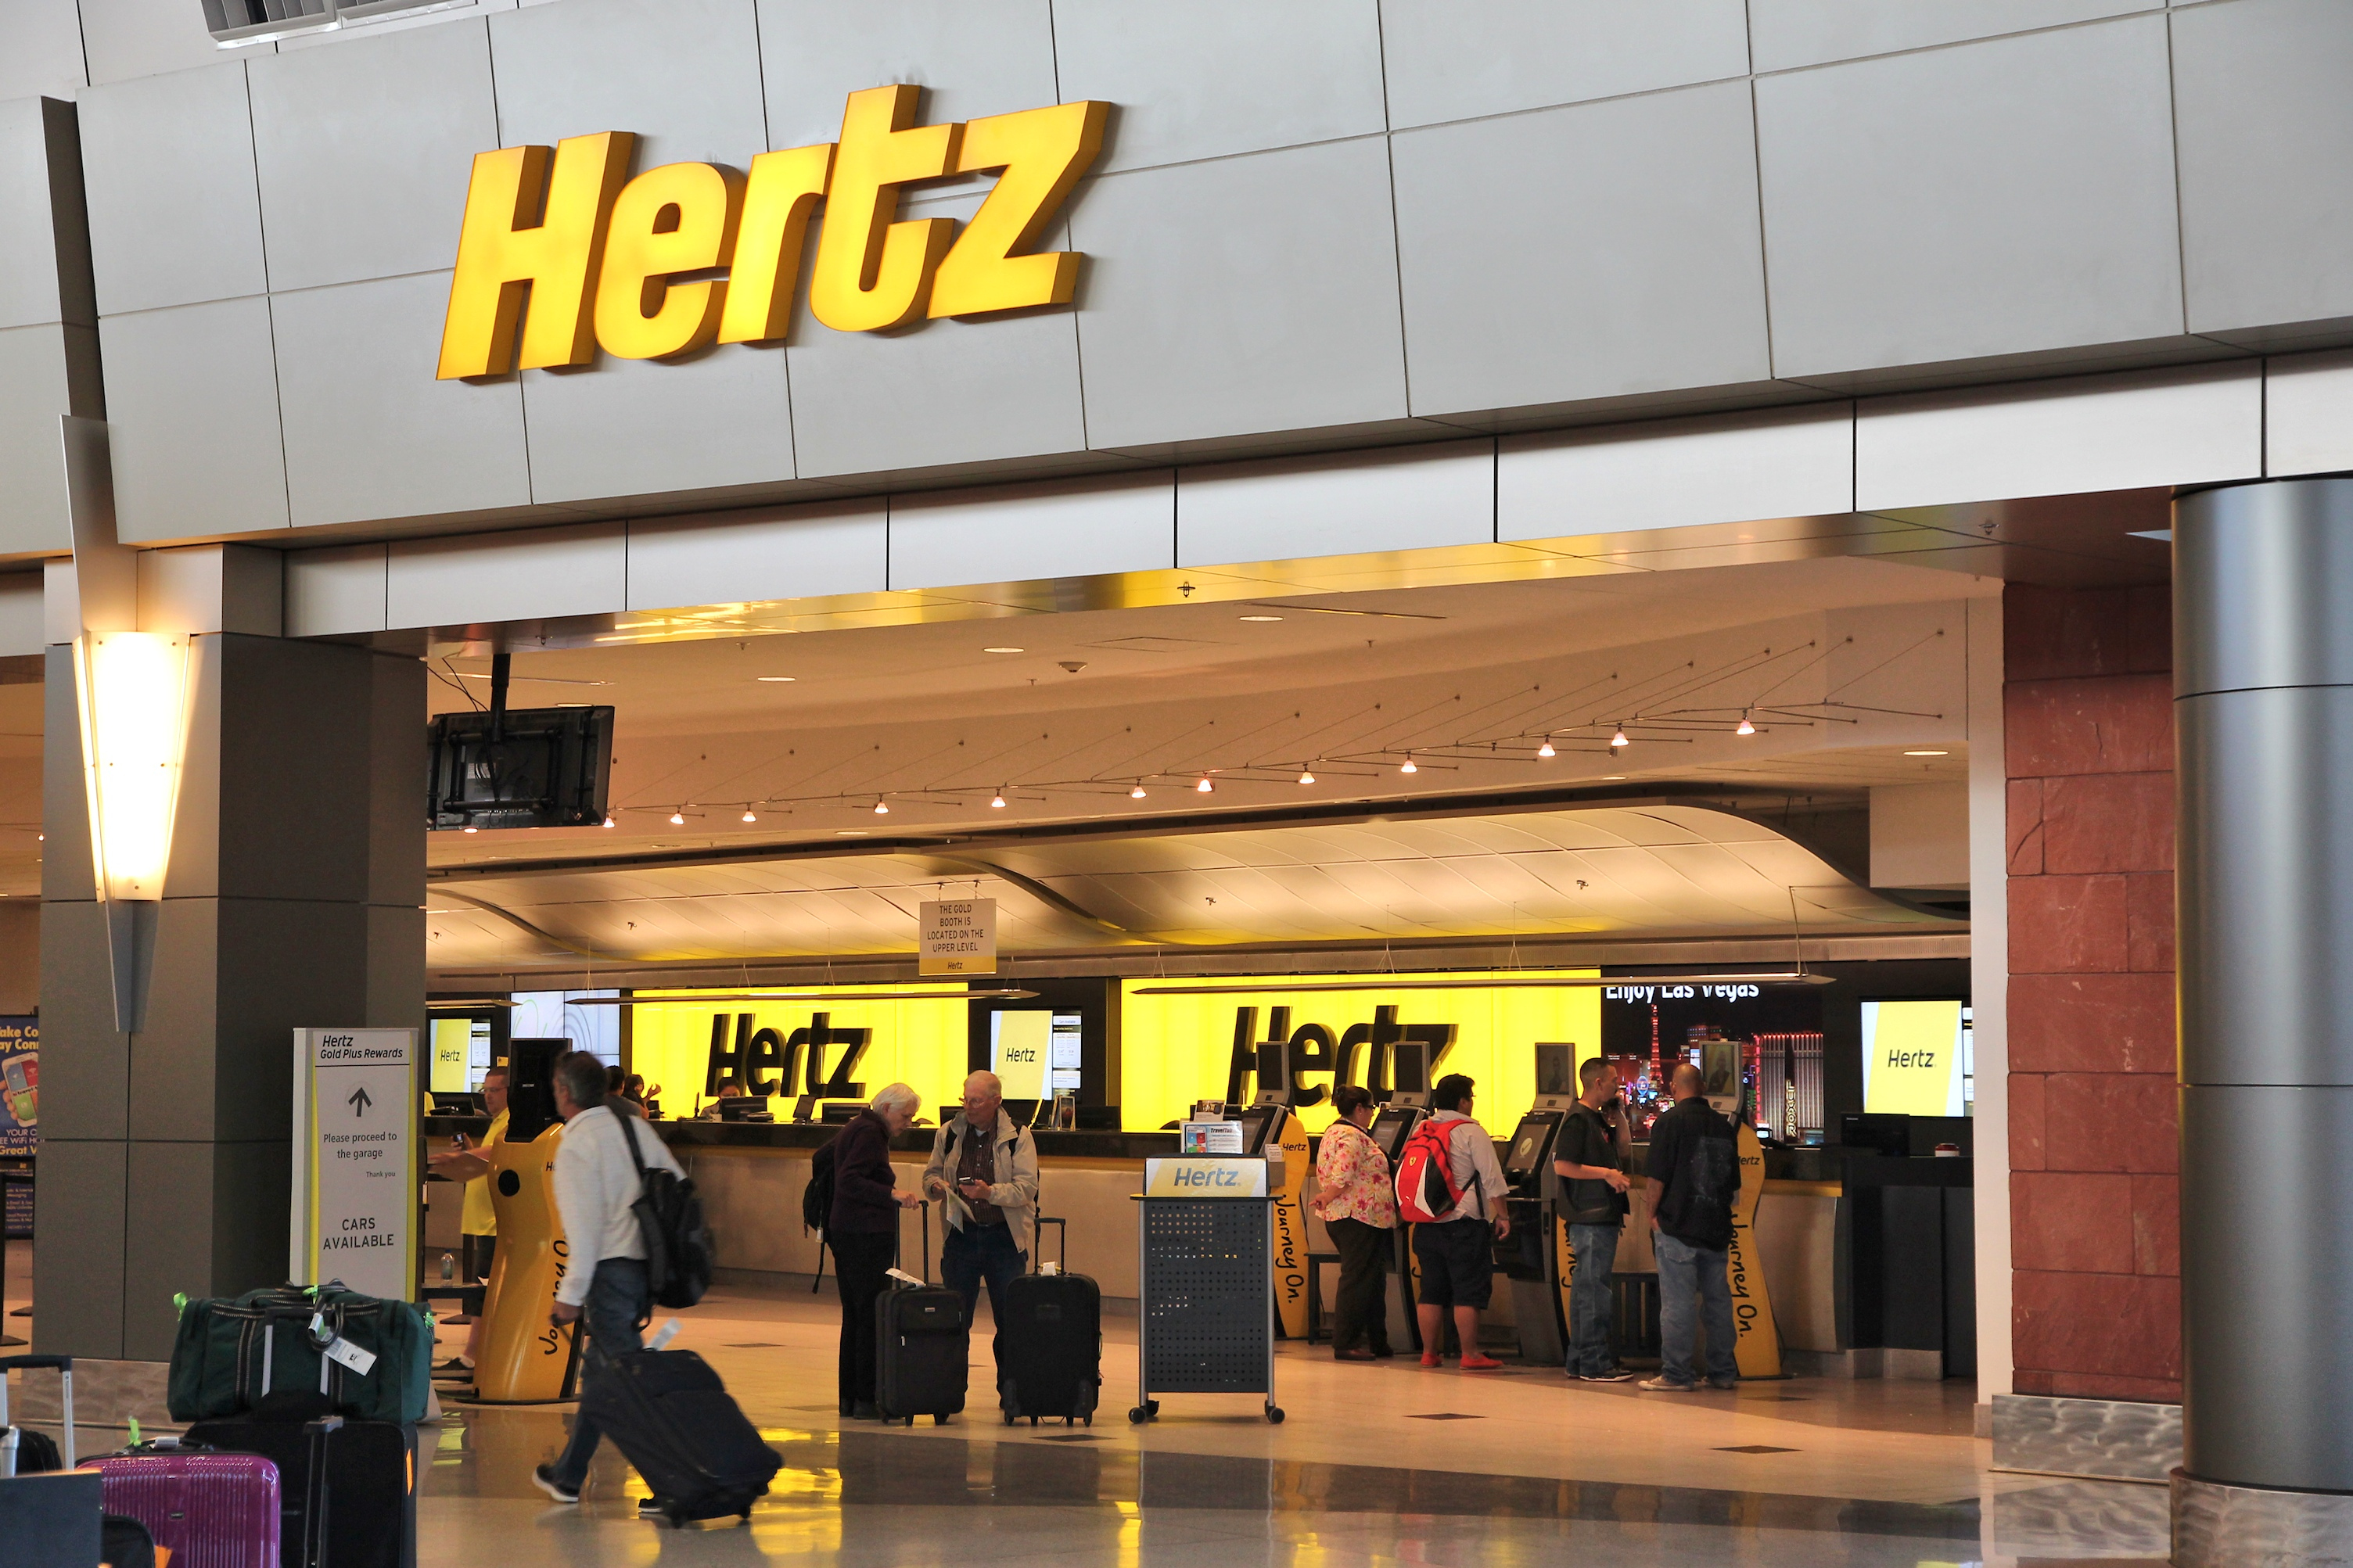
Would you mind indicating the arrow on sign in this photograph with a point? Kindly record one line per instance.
(360, 1101)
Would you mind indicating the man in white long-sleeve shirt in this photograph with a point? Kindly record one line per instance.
(604, 1287)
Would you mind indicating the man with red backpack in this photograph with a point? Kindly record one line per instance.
(1451, 1190)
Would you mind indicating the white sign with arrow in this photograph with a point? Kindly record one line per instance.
(355, 1178)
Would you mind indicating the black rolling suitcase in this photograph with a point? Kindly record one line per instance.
(674, 1419)
(1051, 1346)
(347, 1489)
(922, 1347)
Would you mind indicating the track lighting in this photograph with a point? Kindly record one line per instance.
(677, 819)
(1306, 777)
(1135, 793)
(1746, 728)
(1205, 786)
(748, 816)
(997, 801)
(608, 819)
(881, 808)
(1546, 750)
(1409, 767)
(1618, 740)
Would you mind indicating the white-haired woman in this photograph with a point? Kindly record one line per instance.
(863, 1231)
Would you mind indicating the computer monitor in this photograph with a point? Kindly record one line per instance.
(531, 1086)
(1390, 1127)
(457, 1104)
(1529, 1141)
(1256, 1119)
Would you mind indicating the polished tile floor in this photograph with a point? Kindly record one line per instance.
(1520, 1467)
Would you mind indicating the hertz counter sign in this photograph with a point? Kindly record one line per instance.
(562, 253)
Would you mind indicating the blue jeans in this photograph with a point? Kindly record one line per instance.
(1589, 1304)
(619, 1301)
(977, 1254)
(1693, 1290)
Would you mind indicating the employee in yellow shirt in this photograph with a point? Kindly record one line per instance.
(480, 1222)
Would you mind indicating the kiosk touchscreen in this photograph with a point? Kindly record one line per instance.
(1529, 1256)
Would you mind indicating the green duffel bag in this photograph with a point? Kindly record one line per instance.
(232, 1351)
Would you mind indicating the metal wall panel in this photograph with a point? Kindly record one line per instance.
(971, 57)
(40, 51)
(1245, 295)
(2092, 433)
(337, 590)
(2308, 413)
(2265, 126)
(1997, 198)
(1585, 252)
(39, 165)
(1672, 473)
(684, 77)
(21, 622)
(369, 432)
(1445, 60)
(786, 553)
(1016, 533)
(193, 402)
(1293, 508)
(174, 216)
(632, 427)
(1788, 33)
(364, 151)
(576, 570)
(1213, 77)
(34, 393)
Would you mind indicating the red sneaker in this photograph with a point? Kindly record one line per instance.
(1429, 1358)
(1475, 1362)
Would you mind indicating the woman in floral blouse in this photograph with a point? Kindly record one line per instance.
(1356, 1201)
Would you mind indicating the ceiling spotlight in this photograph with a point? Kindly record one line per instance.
(1205, 786)
(677, 819)
(1619, 740)
(881, 808)
(1927, 753)
(608, 819)
(1409, 767)
(471, 828)
(1135, 793)
(1004, 650)
(997, 801)
(1305, 776)
(1546, 750)
(748, 816)
(1744, 727)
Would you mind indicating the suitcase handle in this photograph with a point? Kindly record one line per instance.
(63, 1366)
(35, 1363)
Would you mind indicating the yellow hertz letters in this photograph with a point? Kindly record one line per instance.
(560, 253)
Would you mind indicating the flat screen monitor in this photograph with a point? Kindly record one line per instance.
(446, 1104)
(1557, 1069)
(1529, 1141)
(1390, 1130)
(1255, 1120)
(531, 1086)
(548, 768)
(1916, 1057)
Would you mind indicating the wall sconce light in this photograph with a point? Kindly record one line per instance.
(132, 690)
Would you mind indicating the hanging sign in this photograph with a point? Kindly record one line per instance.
(355, 1176)
(958, 937)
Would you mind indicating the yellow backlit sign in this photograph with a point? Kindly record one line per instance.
(562, 253)
(1912, 1057)
(844, 1050)
(1174, 1050)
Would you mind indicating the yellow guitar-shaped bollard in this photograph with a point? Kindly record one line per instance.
(524, 1357)
(1758, 1345)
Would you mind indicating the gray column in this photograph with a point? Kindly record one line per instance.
(2264, 684)
(294, 898)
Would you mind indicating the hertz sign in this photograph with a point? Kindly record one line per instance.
(562, 253)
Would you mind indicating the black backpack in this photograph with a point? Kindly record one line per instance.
(816, 1198)
(669, 1218)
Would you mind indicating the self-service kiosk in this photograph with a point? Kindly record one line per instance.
(1535, 1257)
(523, 1359)
(1404, 1106)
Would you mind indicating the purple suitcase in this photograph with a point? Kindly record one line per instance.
(214, 1511)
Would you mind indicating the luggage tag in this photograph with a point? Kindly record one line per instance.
(662, 1336)
(339, 1350)
(903, 1277)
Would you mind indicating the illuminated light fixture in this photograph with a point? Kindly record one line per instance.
(471, 828)
(1135, 793)
(1927, 753)
(881, 808)
(677, 819)
(1485, 982)
(1546, 750)
(748, 816)
(1409, 767)
(1744, 727)
(134, 689)
(1205, 786)
(1004, 650)
(1619, 740)
(997, 801)
(776, 679)
(1306, 776)
(608, 819)
(1262, 619)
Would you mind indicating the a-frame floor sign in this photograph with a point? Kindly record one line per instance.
(355, 1161)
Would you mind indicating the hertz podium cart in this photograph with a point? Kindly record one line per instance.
(1207, 1323)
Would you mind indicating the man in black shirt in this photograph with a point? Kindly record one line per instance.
(1588, 1159)
(1693, 1176)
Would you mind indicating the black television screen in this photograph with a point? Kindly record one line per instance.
(548, 768)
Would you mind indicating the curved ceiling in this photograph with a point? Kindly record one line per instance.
(1649, 870)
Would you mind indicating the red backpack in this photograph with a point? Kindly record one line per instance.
(1425, 1192)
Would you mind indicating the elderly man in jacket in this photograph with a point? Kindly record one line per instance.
(984, 1171)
